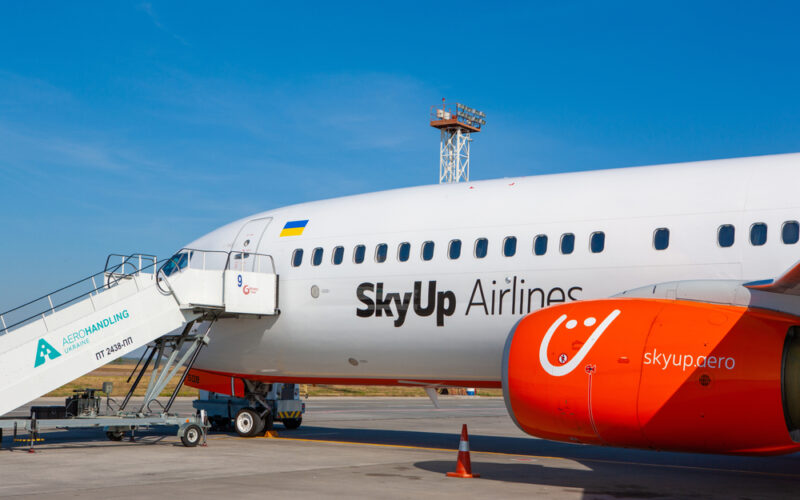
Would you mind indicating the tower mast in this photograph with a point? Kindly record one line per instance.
(456, 123)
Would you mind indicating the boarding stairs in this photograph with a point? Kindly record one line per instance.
(135, 301)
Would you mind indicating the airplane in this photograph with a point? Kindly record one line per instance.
(650, 307)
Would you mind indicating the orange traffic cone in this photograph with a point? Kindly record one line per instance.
(464, 466)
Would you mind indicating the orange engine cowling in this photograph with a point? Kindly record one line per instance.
(657, 374)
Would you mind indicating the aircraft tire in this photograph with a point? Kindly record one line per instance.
(115, 435)
(269, 421)
(292, 423)
(248, 422)
(220, 424)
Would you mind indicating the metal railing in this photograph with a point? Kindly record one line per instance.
(127, 267)
(46, 305)
(250, 262)
(218, 260)
(136, 263)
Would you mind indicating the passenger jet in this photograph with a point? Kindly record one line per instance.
(653, 307)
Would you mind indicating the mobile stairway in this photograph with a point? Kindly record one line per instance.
(135, 301)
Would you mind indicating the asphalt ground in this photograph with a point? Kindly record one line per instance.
(378, 447)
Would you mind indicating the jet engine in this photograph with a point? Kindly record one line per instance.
(658, 374)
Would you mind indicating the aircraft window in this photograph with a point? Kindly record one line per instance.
(403, 251)
(297, 257)
(177, 262)
(510, 246)
(597, 242)
(540, 244)
(380, 252)
(790, 233)
(338, 255)
(454, 251)
(758, 234)
(427, 250)
(726, 234)
(481, 248)
(567, 243)
(661, 238)
(358, 254)
(316, 257)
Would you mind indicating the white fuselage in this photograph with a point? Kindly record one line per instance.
(322, 337)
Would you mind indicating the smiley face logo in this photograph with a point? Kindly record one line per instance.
(567, 367)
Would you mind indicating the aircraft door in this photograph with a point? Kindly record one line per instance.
(249, 237)
(248, 241)
(250, 282)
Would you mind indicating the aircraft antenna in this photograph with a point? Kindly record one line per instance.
(455, 122)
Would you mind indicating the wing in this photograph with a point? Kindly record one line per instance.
(788, 283)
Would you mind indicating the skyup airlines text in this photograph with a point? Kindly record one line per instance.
(485, 298)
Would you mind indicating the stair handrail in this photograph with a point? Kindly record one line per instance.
(239, 252)
(52, 307)
(60, 289)
(114, 271)
(177, 260)
(126, 260)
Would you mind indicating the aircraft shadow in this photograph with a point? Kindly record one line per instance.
(788, 465)
(622, 481)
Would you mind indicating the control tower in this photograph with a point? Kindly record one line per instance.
(456, 122)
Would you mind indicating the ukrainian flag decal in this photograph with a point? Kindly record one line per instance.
(294, 228)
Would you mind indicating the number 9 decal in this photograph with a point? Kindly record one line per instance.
(239, 281)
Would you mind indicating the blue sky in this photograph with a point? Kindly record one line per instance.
(139, 126)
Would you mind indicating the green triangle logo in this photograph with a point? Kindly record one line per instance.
(45, 350)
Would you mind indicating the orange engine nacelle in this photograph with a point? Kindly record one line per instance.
(657, 374)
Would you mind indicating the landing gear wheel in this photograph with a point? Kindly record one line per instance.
(220, 424)
(269, 421)
(115, 435)
(191, 436)
(292, 423)
(248, 422)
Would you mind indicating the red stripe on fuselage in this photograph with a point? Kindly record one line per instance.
(483, 384)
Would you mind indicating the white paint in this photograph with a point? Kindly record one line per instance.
(560, 371)
(314, 338)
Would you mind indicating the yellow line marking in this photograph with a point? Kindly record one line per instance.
(411, 447)
(544, 457)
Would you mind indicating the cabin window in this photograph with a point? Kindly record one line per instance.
(510, 246)
(316, 257)
(297, 257)
(790, 233)
(338, 255)
(540, 244)
(726, 234)
(661, 238)
(481, 248)
(567, 243)
(597, 242)
(454, 250)
(758, 234)
(403, 251)
(358, 254)
(427, 250)
(380, 252)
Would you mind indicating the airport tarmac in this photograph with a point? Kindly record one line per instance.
(378, 447)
